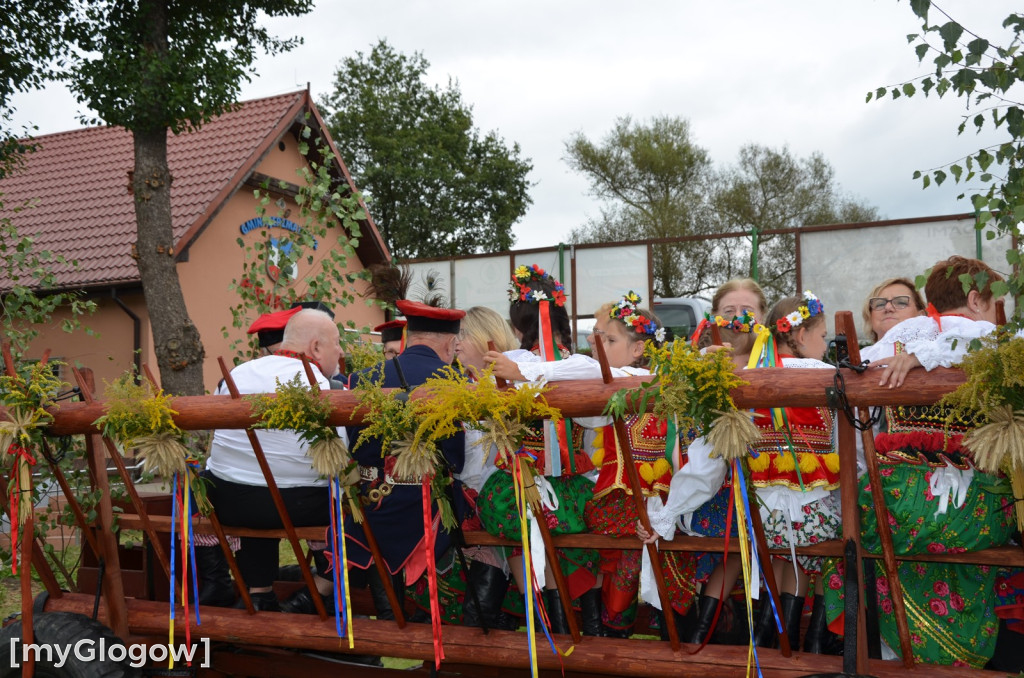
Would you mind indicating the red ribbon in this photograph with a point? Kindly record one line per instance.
(934, 314)
(428, 539)
(14, 503)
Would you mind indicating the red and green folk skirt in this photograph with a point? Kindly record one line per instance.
(615, 513)
(950, 607)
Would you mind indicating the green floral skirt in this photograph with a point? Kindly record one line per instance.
(496, 506)
(950, 607)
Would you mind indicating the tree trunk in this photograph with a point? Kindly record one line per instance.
(179, 351)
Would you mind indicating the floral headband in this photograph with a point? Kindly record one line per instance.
(626, 311)
(810, 307)
(520, 289)
(741, 323)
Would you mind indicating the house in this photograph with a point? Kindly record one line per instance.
(79, 188)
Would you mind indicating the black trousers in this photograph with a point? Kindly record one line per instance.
(240, 505)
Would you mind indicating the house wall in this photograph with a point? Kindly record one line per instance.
(106, 349)
(213, 264)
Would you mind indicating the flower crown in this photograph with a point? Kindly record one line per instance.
(520, 289)
(810, 307)
(626, 311)
(741, 323)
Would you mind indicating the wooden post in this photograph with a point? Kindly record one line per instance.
(222, 540)
(844, 324)
(84, 379)
(275, 495)
(622, 443)
(762, 546)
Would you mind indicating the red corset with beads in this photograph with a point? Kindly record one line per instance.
(805, 443)
(646, 435)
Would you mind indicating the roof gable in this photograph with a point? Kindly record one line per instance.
(79, 185)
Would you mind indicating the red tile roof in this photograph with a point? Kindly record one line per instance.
(78, 184)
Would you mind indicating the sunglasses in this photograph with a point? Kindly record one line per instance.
(898, 303)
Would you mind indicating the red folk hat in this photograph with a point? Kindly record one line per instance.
(390, 331)
(270, 326)
(424, 318)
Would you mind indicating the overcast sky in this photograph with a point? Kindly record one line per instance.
(772, 72)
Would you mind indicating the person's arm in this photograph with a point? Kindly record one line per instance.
(692, 486)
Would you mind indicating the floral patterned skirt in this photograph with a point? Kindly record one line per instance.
(496, 506)
(709, 521)
(950, 607)
(821, 522)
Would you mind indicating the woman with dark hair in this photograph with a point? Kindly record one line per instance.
(937, 500)
(541, 324)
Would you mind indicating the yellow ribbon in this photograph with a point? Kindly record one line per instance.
(741, 522)
(531, 633)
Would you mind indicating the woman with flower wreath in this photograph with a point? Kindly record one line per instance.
(795, 470)
(559, 461)
(700, 491)
(625, 330)
(938, 500)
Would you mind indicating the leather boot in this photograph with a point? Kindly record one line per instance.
(766, 633)
(706, 606)
(487, 586)
(215, 584)
(792, 613)
(820, 640)
(590, 614)
(380, 597)
(556, 613)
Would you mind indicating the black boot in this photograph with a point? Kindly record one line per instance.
(590, 614)
(215, 584)
(556, 613)
(487, 586)
(792, 613)
(706, 606)
(766, 633)
(819, 639)
(380, 596)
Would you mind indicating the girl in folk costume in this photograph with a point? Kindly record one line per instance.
(555, 452)
(700, 490)
(624, 330)
(795, 471)
(938, 501)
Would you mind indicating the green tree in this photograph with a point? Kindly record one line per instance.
(157, 65)
(35, 38)
(983, 73)
(769, 189)
(437, 187)
(651, 180)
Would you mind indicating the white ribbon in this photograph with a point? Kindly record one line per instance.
(648, 587)
(950, 481)
(538, 558)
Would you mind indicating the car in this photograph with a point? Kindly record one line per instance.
(681, 315)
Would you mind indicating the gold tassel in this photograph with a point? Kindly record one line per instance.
(760, 463)
(832, 462)
(330, 456)
(731, 434)
(661, 467)
(998, 442)
(530, 491)
(1017, 481)
(162, 454)
(646, 472)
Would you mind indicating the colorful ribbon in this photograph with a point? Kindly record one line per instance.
(428, 537)
(16, 505)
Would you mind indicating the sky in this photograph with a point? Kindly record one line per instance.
(777, 73)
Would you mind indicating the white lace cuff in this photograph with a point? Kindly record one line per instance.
(662, 521)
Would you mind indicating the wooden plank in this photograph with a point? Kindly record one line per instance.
(768, 387)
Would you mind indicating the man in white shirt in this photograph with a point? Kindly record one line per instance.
(239, 490)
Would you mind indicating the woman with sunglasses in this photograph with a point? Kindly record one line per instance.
(891, 302)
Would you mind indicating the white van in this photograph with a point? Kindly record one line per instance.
(681, 314)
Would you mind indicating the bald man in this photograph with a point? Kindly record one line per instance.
(239, 492)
